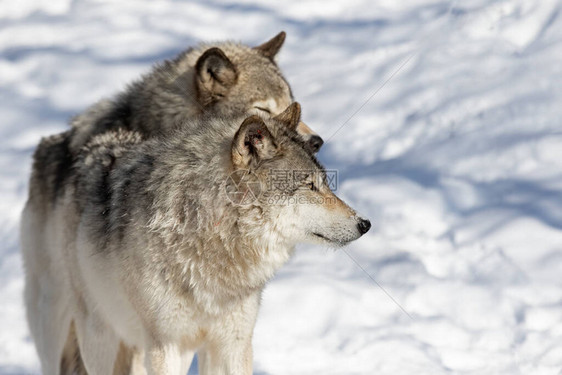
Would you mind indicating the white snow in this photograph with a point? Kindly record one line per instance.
(456, 158)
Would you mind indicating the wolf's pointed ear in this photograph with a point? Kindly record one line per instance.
(270, 48)
(291, 116)
(252, 142)
(215, 74)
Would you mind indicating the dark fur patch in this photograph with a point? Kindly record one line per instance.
(63, 160)
(125, 183)
(119, 117)
(52, 167)
(106, 179)
(103, 194)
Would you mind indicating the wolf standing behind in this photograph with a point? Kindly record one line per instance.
(220, 78)
(155, 254)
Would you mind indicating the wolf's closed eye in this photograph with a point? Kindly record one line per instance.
(263, 109)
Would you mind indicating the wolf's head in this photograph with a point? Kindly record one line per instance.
(290, 188)
(233, 78)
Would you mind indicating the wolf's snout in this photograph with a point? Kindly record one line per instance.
(363, 226)
(316, 142)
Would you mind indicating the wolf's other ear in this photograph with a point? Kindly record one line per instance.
(270, 48)
(215, 74)
(252, 143)
(291, 116)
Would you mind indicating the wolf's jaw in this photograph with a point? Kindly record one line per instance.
(322, 237)
(332, 242)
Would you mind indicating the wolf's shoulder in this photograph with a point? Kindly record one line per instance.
(108, 180)
(106, 147)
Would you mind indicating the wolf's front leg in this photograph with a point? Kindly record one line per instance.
(97, 342)
(228, 345)
(234, 358)
(164, 359)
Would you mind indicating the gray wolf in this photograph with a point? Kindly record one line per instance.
(143, 246)
(221, 78)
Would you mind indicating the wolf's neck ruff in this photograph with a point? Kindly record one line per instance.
(242, 248)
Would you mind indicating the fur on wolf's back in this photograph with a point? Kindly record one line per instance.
(54, 164)
(167, 97)
(159, 101)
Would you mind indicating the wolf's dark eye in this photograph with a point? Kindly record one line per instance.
(312, 186)
(263, 109)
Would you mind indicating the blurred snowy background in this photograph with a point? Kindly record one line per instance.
(456, 159)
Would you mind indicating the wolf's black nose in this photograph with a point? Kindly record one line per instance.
(315, 143)
(364, 226)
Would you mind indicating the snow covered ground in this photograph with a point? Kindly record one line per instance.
(456, 157)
